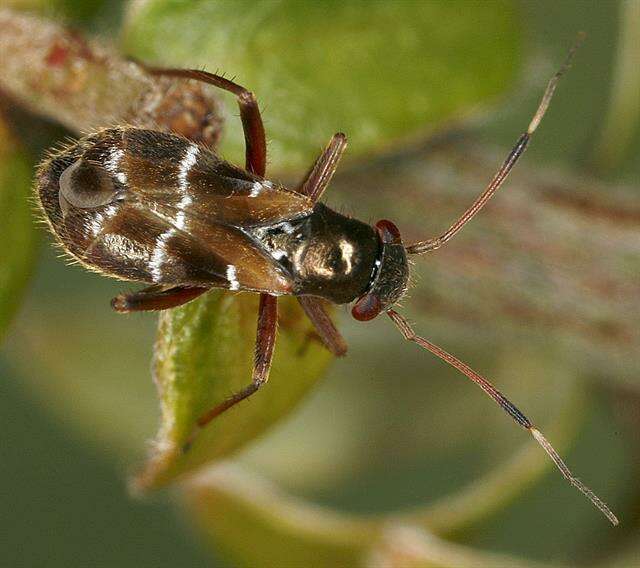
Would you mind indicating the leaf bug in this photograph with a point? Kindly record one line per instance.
(142, 205)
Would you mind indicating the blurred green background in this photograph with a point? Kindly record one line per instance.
(388, 427)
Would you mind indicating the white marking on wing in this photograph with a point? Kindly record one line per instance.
(256, 189)
(159, 254)
(189, 159)
(259, 186)
(97, 223)
(112, 164)
(232, 277)
(181, 218)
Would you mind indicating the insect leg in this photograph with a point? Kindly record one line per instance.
(327, 331)
(155, 298)
(265, 342)
(320, 174)
(254, 136)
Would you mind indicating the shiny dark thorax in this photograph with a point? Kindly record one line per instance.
(327, 254)
(152, 207)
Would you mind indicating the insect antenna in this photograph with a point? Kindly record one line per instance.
(410, 335)
(498, 179)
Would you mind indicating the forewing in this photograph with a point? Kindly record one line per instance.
(137, 239)
(171, 173)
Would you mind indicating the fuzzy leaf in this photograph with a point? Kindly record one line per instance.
(16, 226)
(393, 71)
(203, 354)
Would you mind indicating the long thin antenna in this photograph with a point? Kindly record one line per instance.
(506, 405)
(423, 247)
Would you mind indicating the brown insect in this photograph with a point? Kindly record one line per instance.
(147, 206)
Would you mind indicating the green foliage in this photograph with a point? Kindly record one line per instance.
(204, 353)
(316, 68)
(273, 526)
(262, 526)
(72, 10)
(340, 74)
(16, 226)
(380, 71)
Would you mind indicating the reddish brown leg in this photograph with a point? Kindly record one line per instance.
(265, 342)
(254, 136)
(320, 175)
(313, 186)
(155, 298)
(327, 331)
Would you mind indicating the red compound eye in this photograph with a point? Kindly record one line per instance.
(389, 233)
(366, 308)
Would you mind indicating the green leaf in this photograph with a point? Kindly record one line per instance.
(78, 12)
(17, 233)
(256, 524)
(203, 354)
(390, 72)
